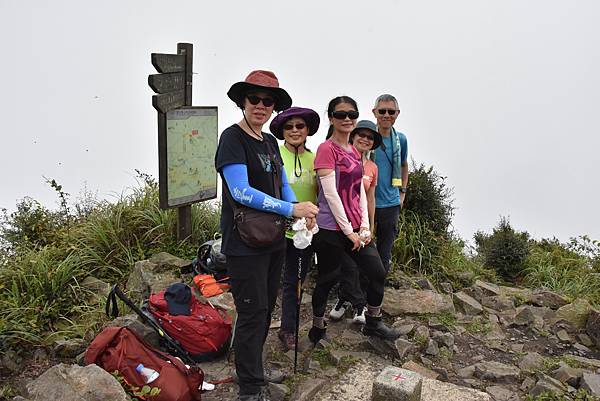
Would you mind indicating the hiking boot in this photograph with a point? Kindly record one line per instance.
(315, 334)
(339, 309)
(359, 315)
(263, 395)
(375, 327)
(270, 375)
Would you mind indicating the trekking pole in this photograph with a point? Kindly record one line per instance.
(298, 302)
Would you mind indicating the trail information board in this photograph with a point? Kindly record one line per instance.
(191, 144)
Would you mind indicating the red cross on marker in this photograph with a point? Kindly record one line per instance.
(398, 378)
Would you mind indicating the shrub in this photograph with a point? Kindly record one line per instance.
(505, 250)
(429, 198)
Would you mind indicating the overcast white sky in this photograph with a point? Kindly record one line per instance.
(499, 96)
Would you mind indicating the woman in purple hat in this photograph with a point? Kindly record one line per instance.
(344, 237)
(250, 165)
(293, 126)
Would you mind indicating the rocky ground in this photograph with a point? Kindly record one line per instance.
(503, 341)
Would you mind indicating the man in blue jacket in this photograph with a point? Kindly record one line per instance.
(391, 159)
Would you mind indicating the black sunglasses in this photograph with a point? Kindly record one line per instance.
(289, 127)
(366, 135)
(341, 115)
(391, 112)
(266, 101)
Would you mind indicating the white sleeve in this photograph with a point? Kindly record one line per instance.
(335, 203)
(364, 209)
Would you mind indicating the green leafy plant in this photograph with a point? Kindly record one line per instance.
(135, 391)
(429, 198)
(505, 250)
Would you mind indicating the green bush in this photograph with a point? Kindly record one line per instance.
(429, 198)
(505, 250)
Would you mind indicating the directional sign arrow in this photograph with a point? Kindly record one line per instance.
(168, 101)
(168, 62)
(163, 83)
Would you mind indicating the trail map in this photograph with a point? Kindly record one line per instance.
(191, 146)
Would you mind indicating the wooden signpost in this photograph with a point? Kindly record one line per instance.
(173, 88)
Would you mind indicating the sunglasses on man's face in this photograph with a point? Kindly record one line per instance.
(391, 112)
(289, 127)
(266, 101)
(341, 115)
(365, 135)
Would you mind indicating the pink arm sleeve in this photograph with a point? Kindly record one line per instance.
(364, 207)
(335, 203)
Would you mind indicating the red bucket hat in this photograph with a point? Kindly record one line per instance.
(260, 80)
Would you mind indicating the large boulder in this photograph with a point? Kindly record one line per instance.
(467, 304)
(75, 383)
(411, 301)
(592, 327)
(154, 275)
(546, 298)
(591, 383)
(576, 312)
(497, 372)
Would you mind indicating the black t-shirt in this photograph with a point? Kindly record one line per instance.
(260, 158)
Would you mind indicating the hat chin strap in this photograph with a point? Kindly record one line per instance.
(297, 161)
(249, 126)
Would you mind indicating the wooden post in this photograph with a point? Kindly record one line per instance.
(184, 213)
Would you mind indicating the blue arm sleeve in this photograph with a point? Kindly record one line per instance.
(236, 177)
(287, 193)
(404, 148)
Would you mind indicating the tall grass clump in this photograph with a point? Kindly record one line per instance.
(46, 254)
(562, 268)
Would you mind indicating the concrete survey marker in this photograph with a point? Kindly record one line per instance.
(398, 384)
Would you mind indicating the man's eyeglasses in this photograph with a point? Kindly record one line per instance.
(391, 112)
(266, 101)
(341, 115)
(289, 127)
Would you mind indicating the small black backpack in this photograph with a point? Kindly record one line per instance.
(210, 260)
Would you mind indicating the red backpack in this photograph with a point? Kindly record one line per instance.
(120, 349)
(205, 333)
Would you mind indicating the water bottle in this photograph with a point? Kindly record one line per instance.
(148, 374)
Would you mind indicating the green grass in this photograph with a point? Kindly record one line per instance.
(45, 255)
(580, 395)
(551, 265)
(478, 326)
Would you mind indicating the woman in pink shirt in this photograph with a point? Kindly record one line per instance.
(364, 138)
(344, 237)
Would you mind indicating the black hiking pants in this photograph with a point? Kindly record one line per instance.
(254, 285)
(335, 250)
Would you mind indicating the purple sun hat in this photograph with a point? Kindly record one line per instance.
(309, 116)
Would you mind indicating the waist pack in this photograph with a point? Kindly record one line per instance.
(120, 349)
(259, 229)
(205, 333)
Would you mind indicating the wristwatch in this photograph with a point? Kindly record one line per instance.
(403, 190)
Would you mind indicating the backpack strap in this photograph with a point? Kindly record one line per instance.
(171, 344)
